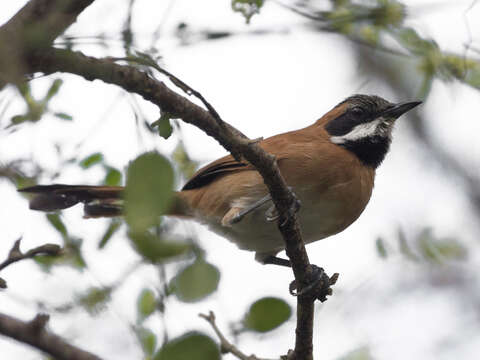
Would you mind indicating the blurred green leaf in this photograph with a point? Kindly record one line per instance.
(71, 255)
(388, 13)
(186, 165)
(370, 34)
(95, 299)
(196, 281)
(46, 261)
(413, 42)
(91, 160)
(53, 90)
(111, 230)
(24, 90)
(146, 304)
(247, 8)
(463, 68)
(148, 340)
(22, 181)
(156, 249)
(439, 250)
(18, 119)
(149, 190)
(426, 86)
(381, 249)
(405, 248)
(57, 223)
(113, 177)
(191, 346)
(163, 125)
(63, 116)
(266, 314)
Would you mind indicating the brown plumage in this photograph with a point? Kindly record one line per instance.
(330, 166)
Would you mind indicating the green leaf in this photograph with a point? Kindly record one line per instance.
(18, 119)
(163, 125)
(266, 314)
(438, 251)
(405, 248)
(381, 249)
(91, 160)
(413, 42)
(95, 299)
(247, 8)
(57, 223)
(63, 116)
(148, 340)
(196, 281)
(146, 304)
(71, 255)
(53, 90)
(155, 249)
(186, 165)
(113, 177)
(148, 192)
(111, 230)
(191, 346)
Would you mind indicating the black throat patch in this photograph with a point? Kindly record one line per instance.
(370, 150)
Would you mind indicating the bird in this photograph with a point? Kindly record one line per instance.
(330, 166)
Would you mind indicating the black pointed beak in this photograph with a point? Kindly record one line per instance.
(398, 110)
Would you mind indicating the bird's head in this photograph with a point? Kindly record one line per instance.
(363, 124)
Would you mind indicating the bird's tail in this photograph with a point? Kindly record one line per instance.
(99, 201)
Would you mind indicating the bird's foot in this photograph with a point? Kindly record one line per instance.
(319, 285)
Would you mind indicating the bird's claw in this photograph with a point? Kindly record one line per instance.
(319, 286)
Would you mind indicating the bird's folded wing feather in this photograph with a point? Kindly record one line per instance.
(278, 145)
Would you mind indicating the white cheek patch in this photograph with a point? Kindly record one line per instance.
(358, 132)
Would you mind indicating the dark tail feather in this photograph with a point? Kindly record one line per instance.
(100, 201)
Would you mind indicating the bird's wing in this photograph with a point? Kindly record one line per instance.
(212, 171)
(277, 145)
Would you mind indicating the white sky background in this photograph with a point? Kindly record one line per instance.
(263, 85)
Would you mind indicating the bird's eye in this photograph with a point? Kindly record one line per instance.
(357, 111)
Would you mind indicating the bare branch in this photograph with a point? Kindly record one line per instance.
(35, 334)
(226, 346)
(16, 254)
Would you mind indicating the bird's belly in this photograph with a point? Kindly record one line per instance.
(317, 220)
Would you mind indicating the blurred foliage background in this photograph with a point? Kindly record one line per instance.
(173, 269)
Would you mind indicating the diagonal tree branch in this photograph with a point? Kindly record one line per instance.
(34, 333)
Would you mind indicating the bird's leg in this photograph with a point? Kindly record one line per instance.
(240, 213)
(275, 260)
(236, 214)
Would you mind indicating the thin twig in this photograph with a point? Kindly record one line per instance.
(226, 346)
(16, 254)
